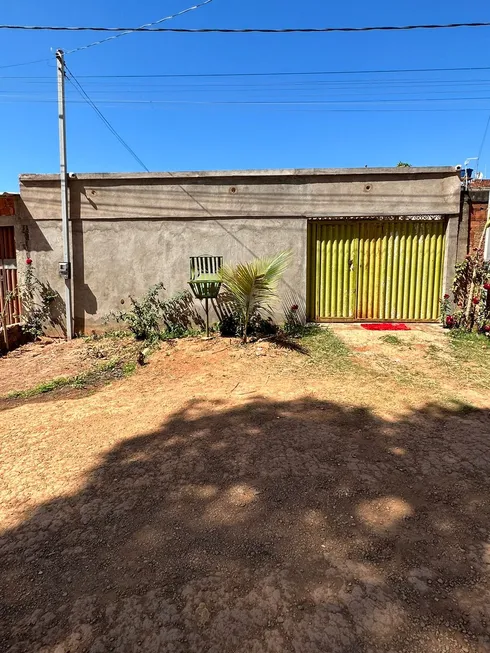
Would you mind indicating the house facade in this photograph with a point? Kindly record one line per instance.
(367, 244)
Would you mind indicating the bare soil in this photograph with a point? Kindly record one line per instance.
(51, 358)
(249, 500)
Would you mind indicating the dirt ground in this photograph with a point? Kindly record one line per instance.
(225, 499)
(51, 358)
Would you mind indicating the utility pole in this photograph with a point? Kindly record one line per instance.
(65, 266)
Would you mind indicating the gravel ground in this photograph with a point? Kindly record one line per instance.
(215, 503)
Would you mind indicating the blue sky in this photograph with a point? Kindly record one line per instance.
(193, 123)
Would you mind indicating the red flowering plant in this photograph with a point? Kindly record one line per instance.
(471, 293)
(293, 325)
(451, 316)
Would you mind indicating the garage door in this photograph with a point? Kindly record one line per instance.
(375, 270)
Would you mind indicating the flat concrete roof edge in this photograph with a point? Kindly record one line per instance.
(206, 174)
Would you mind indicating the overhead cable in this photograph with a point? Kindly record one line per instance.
(484, 138)
(241, 30)
(73, 80)
(142, 28)
(25, 63)
(266, 74)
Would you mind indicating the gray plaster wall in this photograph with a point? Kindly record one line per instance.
(280, 193)
(131, 231)
(115, 259)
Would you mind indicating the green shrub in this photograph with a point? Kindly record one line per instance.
(143, 319)
(153, 318)
(231, 326)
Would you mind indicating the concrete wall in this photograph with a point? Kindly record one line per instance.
(256, 193)
(115, 259)
(131, 231)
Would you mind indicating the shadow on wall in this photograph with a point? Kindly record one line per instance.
(291, 298)
(84, 300)
(57, 309)
(28, 236)
(268, 527)
(181, 312)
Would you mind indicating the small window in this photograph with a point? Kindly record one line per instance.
(486, 251)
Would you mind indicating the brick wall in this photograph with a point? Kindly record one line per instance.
(7, 204)
(479, 183)
(478, 214)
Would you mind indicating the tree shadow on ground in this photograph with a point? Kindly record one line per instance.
(273, 526)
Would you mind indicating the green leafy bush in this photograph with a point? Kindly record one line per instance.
(143, 319)
(153, 318)
(231, 326)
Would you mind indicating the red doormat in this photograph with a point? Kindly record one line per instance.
(385, 326)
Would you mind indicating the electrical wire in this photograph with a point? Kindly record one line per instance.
(484, 138)
(116, 101)
(73, 80)
(215, 30)
(141, 28)
(269, 74)
(267, 106)
(25, 63)
(294, 73)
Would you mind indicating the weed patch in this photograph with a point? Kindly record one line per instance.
(325, 348)
(390, 339)
(103, 373)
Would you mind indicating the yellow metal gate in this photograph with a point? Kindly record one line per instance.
(375, 270)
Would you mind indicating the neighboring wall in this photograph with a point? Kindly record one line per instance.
(131, 231)
(478, 196)
(7, 209)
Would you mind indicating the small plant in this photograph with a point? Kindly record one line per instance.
(229, 325)
(253, 286)
(293, 326)
(471, 295)
(391, 339)
(153, 318)
(36, 299)
(179, 315)
(144, 317)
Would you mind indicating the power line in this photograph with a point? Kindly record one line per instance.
(266, 74)
(25, 63)
(73, 80)
(141, 28)
(291, 73)
(114, 101)
(216, 30)
(484, 138)
(267, 106)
